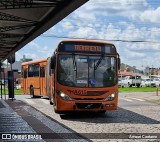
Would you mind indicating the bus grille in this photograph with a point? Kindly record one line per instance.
(88, 105)
(88, 98)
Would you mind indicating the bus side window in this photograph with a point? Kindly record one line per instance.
(30, 70)
(53, 62)
(42, 72)
(22, 72)
(25, 73)
(36, 70)
(49, 68)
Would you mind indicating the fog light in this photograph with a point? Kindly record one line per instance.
(109, 105)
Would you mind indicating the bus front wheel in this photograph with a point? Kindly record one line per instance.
(51, 102)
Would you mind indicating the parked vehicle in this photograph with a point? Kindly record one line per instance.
(132, 81)
(155, 82)
(120, 83)
(3, 82)
(143, 83)
(146, 82)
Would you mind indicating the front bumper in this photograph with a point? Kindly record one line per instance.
(83, 105)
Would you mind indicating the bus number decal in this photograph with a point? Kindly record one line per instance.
(78, 92)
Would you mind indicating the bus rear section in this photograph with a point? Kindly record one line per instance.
(33, 78)
(85, 76)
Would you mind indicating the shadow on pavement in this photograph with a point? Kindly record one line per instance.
(119, 116)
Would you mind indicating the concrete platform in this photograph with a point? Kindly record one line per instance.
(18, 122)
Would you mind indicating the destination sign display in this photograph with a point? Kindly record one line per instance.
(87, 47)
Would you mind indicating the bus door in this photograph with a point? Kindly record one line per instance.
(24, 81)
(35, 80)
(42, 81)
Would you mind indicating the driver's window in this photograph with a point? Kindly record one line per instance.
(65, 67)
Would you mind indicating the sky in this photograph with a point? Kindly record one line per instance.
(110, 20)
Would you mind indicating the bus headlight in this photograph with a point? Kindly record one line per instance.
(65, 97)
(110, 97)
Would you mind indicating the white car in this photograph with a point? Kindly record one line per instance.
(120, 83)
(146, 82)
(18, 86)
(155, 82)
(143, 83)
(130, 81)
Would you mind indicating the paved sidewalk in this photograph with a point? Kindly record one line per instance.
(11, 122)
(149, 96)
(20, 119)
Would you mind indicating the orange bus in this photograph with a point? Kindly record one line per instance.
(80, 75)
(33, 78)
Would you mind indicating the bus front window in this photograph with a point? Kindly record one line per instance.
(86, 71)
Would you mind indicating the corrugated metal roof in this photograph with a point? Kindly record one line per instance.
(23, 20)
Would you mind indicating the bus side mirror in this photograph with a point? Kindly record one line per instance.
(119, 63)
(53, 62)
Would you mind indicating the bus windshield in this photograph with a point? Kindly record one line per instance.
(86, 71)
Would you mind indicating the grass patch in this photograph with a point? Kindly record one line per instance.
(16, 92)
(135, 89)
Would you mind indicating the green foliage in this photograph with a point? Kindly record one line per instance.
(135, 89)
(16, 92)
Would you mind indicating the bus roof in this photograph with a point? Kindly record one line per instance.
(85, 40)
(35, 61)
(90, 47)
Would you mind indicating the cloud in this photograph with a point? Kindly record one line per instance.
(111, 20)
(144, 47)
(31, 56)
(124, 8)
(43, 49)
(33, 44)
(67, 25)
(84, 32)
(18, 56)
(152, 16)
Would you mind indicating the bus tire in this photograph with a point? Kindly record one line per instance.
(130, 85)
(55, 110)
(51, 103)
(32, 92)
(51, 100)
(138, 85)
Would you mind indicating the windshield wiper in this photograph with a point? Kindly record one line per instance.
(74, 64)
(99, 61)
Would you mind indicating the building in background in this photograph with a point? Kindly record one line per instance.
(16, 68)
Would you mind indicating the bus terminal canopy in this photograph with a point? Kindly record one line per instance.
(23, 20)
